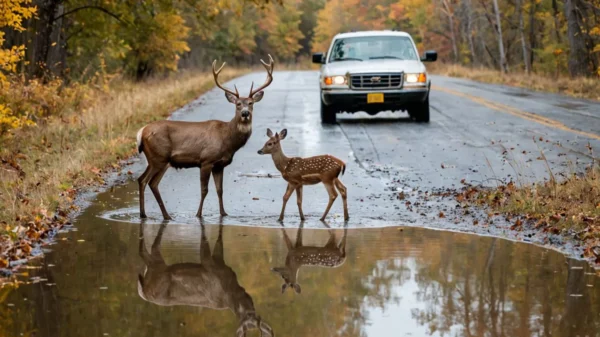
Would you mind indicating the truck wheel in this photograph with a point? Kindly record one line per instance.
(420, 111)
(327, 114)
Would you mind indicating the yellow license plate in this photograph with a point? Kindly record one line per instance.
(375, 98)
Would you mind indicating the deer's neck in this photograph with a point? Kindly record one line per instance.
(280, 160)
(240, 131)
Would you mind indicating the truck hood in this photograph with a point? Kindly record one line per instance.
(373, 66)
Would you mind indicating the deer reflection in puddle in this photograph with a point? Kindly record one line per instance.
(330, 255)
(209, 284)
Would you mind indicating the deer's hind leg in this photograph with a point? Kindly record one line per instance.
(344, 192)
(332, 196)
(299, 201)
(142, 182)
(154, 181)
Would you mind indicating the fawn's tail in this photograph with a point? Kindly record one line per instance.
(343, 169)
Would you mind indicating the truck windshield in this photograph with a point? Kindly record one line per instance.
(372, 48)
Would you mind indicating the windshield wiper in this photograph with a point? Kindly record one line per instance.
(348, 59)
(385, 57)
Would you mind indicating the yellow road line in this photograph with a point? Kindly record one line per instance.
(518, 113)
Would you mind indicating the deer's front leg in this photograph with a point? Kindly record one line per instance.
(204, 180)
(218, 177)
(299, 201)
(286, 197)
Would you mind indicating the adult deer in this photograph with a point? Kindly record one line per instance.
(330, 255)
(209, 284)
(306, 171)
(208, 145)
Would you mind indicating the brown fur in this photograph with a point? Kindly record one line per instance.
(306, 171)
(208, 145)
(209, 284)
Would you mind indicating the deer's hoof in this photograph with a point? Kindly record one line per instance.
(224, 214)
(280, 219)
(143, 215)
(167, 217)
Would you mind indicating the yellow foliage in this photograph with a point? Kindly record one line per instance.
(12, 13)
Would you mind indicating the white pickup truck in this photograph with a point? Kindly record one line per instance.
(374, 71)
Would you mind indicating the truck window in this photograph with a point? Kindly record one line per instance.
(372, 47)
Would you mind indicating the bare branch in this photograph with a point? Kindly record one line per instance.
(98, 8)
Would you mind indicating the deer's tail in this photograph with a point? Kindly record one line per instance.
(343, 169)
(140, 144)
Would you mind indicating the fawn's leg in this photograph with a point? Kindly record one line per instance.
(344, 192)
(154, 181)
(218, 177)
(204, 180)
(286, 196)
(332, 197)
(299, 200)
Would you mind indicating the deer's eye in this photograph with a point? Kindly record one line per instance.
(270, 144)
(250, 103)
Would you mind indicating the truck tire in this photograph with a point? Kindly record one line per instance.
(420, 111)
(327, 114)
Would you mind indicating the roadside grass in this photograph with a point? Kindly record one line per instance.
(43, 167)
(567, 206)
(588, 88)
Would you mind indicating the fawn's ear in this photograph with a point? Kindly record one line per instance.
(283, 286)
(297, 288)
(283, 134)
(269, 133)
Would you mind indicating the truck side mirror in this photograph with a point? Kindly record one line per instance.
(318, 58)
(430, 56)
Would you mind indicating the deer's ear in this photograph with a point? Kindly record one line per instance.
(231, 98)
(283, 286)
(297, 288)
(283, 134)
(258, 96)
(269, 133)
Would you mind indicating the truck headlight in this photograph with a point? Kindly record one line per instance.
(335, 80)
(415, 78)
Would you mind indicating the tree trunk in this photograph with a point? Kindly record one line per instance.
(556, 23)
(450, 16)
(522, 35)
(503, 64)
(579, 57)
(470, 31)
(532, 40)
(46, 11)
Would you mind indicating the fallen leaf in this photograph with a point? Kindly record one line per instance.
(255, 198)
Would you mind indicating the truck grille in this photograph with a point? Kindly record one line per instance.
(376, 81)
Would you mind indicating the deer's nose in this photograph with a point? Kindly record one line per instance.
(245, 113)
(260, 152)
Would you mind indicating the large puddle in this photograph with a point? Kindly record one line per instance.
(391, 281)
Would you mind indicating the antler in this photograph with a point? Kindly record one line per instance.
(216, 76)
(269, 68)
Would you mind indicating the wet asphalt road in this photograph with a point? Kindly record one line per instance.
(478, 132)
